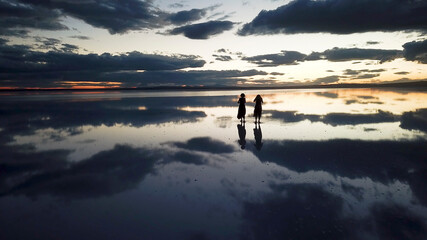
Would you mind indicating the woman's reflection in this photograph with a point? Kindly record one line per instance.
(258, 137)
(242, 135)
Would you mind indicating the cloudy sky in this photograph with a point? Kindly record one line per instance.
(136, 43)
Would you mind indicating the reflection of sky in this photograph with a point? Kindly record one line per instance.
(148, 163)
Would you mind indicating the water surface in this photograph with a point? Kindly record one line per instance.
(323, 164)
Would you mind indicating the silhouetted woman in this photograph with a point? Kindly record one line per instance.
(242, 109)
(258, 108)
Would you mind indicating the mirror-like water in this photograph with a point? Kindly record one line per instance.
(323, 164)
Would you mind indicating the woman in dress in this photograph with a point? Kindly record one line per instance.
(242, 108)
(258, 108)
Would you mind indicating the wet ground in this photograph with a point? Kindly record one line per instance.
(323, 164)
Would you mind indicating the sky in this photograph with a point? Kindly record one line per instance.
(135, 43)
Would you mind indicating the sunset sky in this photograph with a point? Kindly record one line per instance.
(135, 43)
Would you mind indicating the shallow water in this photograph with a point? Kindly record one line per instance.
(323, 164)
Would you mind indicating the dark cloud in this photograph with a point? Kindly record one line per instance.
(203, 30)
(187, 16)
(339, 17)
(16, 16)
(80, 37)
(350, 54)
(277, 74)
(326, 80)
(358, 72)
(415, 51)
(416, 120)
(366, 76)
(18, 59)
(372, 42)
(273, 60)
(115, 16)
(223, 58)
(177, 78)
(183, 17)
(402, 73)
(69, 48)
(332, 55)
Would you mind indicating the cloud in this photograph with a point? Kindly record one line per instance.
(332, 55)
(203, 30)
(350, 54)
(178, 78)
(80, 37)
(20, 59)
(18, 15)
(223, 58)
(192, 15)
(402, 73)
(187, 16)
(339, 17)
(115, 16)
(361, 71)
(416, 51)
(326, 80)
(372, 42)
(273, 60)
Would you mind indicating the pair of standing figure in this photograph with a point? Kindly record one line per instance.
(242, 108)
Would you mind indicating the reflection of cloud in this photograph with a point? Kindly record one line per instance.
(302, 212)
(396, 222)
(223, 122)
(327, 94)
(105, 173)
(402, 161)
(23, 118)
(206, 144)
(307, 211)
(415, 120)
(334, 119)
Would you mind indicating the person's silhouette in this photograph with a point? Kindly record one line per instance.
(242, 135)
(258, 108)
(258, 137)
(242, 108)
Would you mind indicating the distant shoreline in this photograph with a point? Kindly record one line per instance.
(418, 85)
